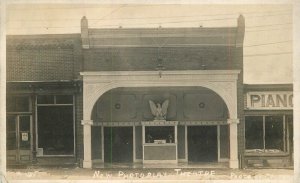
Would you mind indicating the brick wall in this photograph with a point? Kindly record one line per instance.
(176, 58)
(43, 58)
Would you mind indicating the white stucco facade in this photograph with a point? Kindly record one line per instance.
(222, 82)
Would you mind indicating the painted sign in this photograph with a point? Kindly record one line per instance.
(281, 100)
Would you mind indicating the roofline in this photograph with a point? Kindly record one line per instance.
(160, 28)
(265, 87)
(68, 35)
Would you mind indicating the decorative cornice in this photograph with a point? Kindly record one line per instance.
(159, 123)
(203, 123)
(162, 32)
(169, 76)
(114, 123)
(173, 72)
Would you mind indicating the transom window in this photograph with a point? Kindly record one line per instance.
(55, 99)
(18, 104)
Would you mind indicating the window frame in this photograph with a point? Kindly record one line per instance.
(284, 130)
(54, 104)
(172, 130)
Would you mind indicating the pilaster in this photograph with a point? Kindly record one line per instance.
(87, 140)
(233, 161)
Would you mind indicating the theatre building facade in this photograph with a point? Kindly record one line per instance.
(142, 96)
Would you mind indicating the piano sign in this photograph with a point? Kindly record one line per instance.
(281, 100)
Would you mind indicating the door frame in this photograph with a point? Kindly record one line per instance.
(218, 143)
(17, 152)
(120, 125)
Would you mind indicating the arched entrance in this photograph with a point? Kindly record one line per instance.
(119, 113)
(224, 83)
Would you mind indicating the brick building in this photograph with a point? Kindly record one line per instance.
(84, 98)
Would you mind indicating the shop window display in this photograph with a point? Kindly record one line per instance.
(265, 134)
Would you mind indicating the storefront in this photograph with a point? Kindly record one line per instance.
(161, 65)
(85, 99)
(41, 123)
(268, 126)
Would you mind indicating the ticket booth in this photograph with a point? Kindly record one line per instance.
(160, 141)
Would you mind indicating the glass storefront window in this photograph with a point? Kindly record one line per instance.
(265, 133)
(274, 132)
(254, 132)
(55, 124)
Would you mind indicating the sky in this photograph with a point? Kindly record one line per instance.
(268, 36)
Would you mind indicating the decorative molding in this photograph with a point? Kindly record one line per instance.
(202, 123)
(203, 106)
(159, 123)
(222, 82)
(233, 121)
(87, 122)
(112, 124)
(171, 114)
(122, 106)
(211, 75)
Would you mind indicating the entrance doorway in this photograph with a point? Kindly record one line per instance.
(118, 144)
(202, 144)
(18, 145)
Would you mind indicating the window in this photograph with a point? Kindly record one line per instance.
(55, 99)
(254, 132)
(265, 133)
(55, 118)
(18, 104)
(274, 132)
(159, 134)
(11, 133)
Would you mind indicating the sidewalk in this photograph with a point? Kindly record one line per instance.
(56, 174)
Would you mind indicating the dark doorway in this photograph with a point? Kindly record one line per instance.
(118, 144)
(202, 144)
(19, 138)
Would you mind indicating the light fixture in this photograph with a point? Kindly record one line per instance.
(201, 105)
(117, 106)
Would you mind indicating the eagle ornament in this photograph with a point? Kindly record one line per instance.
(159, 111)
